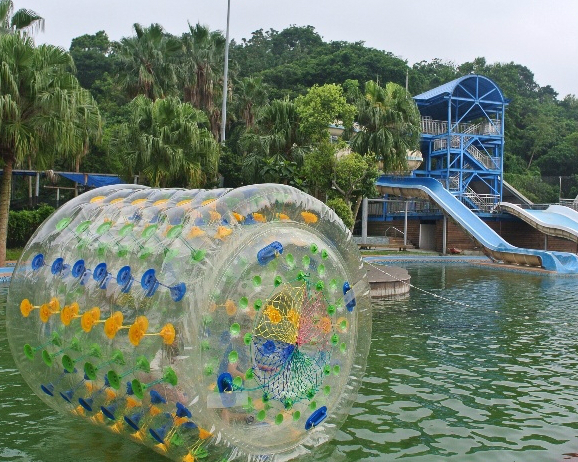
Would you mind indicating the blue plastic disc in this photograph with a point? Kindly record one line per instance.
(57, 265)
(123, 277)
(38, 262)
(318, 416)
(78, 269)
(148, 279)
(99, 272)
(178, 292)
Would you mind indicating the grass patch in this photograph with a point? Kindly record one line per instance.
(13, 254)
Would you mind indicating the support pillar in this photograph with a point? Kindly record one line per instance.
(364, 213)
(445, 235)
(405, 225)
(37, 190)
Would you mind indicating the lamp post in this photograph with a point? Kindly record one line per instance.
(225, 77)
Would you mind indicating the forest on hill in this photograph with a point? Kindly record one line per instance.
(541, 126)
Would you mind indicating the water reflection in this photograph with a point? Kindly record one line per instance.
(493, 378)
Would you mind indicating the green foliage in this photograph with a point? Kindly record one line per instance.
(318, 166)
(165, 141)
(22, 224)
(390, 124)
(342, 210)
(322, 106)
(533, 187)
(355, 176)
(90, 54)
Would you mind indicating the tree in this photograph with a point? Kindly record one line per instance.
(39, 101)
(145, 62)
(354, 178)
(249, 94)
(276, 136)
(22, 21)
(390, 125)
(322, 106)
(90, 54)
(165, 141)
(201, 71)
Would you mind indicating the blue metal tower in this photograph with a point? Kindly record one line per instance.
(463, 139)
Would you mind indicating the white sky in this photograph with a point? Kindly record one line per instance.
(541, 35)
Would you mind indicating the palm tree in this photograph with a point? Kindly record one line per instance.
(146, 62)
(202, 71)
(39, 103)
(165, 142)
(275, 140)
(23, 20)
(250, 93)
(390, 124)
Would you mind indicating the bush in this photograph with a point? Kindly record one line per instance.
(342, 210)
(22, 224)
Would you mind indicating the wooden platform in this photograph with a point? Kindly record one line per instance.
(391, 281)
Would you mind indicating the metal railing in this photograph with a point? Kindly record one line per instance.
(379, 208)
(430, 126)
(455, 142)
(396, 231)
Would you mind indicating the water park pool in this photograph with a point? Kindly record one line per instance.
(492, 377)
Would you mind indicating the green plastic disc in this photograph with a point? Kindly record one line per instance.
(243, 303)
(278, 419)
(125, 229)
(90, 371)
(258, 304)
(29, 352)
(82, 227)
(261, 415)
(149, 231)
(142, 364)
(170, 377)
(313, 248)
(170, 254)
(145, 253)
(296, 415)
(237, 382)
(233, 356)
(137, 389)
(306, 261)
(63, 223)
(235, 328)
(68, 363)
(122, 251)
(47, 358)
(113, 379)
(248, 338)
(103, 228)
(324, 254)
(118, 357)
(56, 339)
(198, 255)
(175, 231)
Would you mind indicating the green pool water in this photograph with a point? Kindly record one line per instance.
(494, 378)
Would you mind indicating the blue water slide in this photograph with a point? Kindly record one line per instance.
(497, 247)
(556, 220)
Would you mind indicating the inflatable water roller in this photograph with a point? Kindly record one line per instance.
(206, 324)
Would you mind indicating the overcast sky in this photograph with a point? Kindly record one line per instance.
(541, 35)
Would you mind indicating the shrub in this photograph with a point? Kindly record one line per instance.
(22, 224)
(342, 210)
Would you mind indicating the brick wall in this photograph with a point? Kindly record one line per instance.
(516, 232)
